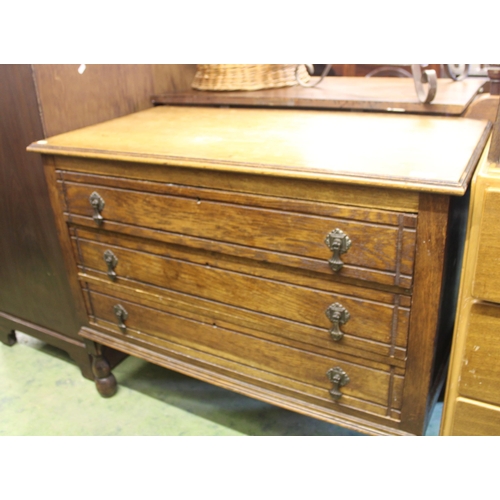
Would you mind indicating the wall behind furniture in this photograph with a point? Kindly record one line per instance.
(70, 99)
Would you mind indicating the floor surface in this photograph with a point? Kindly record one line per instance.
(42, 393)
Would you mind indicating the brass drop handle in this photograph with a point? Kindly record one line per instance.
(97, 204)
(338, 242)
(338, 378)
(111, 261)
(338, 315)
(122, 315)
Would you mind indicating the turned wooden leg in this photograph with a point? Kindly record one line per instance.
(8, 337)
(105, 381)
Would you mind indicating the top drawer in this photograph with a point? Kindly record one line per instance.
(373, 245)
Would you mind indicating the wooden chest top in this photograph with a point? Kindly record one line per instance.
(422, 153)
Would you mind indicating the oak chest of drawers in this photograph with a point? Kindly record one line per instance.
(304, 258)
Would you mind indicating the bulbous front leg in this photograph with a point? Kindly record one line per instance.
(105, 381)
(8, 337)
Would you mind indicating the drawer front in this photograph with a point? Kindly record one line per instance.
(280, 230)
(372, 386)
(481, 362)
(475, 419)
(486, 284)
(288, 309)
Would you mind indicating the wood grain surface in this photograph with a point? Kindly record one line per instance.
(483, 107)
(473, 368)
(211, 342)
(373, 94)
(36, 101)
(432, 231)
(272, 328)
(480, 368)
(71, 99)
(433, 154)
(473, 418)
(245, 380)
(372, 197)
(219, 248)
(374, 246)
(240, 289)
(35, 287)
(486, 284)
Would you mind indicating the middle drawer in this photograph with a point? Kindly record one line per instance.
(301, 307)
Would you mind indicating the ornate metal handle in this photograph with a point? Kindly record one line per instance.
(338, 315)
(111, 261)
(338, 378)
(122, 315)
(98, 205)
(338, 242)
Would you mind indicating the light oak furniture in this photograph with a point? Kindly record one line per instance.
(472, 403)
(38, 101)
(305, 258)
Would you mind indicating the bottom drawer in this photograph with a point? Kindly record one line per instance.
(480, 372)
(475, 419)
(370, 386)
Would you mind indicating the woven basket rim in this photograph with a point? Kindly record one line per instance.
(233, 77)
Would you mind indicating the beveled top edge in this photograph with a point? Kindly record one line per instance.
(457, 189)
(425, 154)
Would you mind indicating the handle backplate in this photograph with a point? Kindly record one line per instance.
(122, 315)
(111, 261)
(338, 242)
(338, 315)
(97, 204)
(338, 378)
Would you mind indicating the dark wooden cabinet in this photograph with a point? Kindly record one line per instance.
(37, 101)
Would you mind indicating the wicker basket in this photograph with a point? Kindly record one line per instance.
(247, 76)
